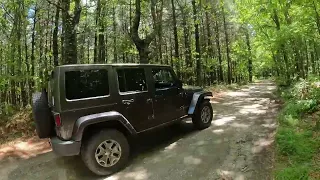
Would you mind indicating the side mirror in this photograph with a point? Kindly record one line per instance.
(179, 84)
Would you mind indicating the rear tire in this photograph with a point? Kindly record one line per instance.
(203, 117)
(42, 115)
(91, 152)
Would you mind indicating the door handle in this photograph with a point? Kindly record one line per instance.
(149, 100)
(127, 101)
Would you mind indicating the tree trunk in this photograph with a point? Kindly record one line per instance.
(250, 55)
(98, 12)
(115, 54)
(196, 36)
(176, 41)
(27, 63)
(227, 46)
(187, 48)
(210, 48)
(101, 36)
(142, 45)
(55, 45)
(69, 23)
(186, 42)
(33, 44)
(217, 38)
(24, 98)
(171, 54)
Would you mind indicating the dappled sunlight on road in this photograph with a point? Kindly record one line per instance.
(223, 121)
(218, 131)
(24, 149)
(255, 108)
(230, 175)
(137, 174)
(190, 160)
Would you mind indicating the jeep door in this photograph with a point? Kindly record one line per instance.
(167, 96)
(135, 99)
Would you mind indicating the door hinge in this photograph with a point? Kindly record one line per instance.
(150, 117)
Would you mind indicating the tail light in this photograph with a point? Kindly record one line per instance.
(57, 119)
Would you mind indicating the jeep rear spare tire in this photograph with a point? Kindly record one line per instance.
(42, 115)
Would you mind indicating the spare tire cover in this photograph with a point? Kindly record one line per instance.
(42, 115)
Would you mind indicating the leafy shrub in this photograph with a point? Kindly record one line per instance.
(301, 89)
(304, 90)
(293, 110)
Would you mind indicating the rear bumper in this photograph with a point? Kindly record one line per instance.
(65, 148)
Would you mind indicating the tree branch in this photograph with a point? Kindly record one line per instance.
(6, 12)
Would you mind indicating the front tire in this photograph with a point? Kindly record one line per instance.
(203, 117)
(105, 152)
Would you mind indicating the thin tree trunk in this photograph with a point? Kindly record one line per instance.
(101, 43)
(197, 38)
(217, 38)
(171, 54)
(98, 12)
(210, 48)
(33, 44)
(115, 54)
(23, 81)
(176, 41)
(250, 54)
(55, 45)
(227, 46)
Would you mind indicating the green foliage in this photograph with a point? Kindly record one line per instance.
(298, 146)
(295, 172)
(295, 136)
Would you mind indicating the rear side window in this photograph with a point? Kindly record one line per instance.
(86, 84)
(163, 78)
(132, 80)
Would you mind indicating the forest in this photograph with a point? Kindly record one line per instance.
(207, 42)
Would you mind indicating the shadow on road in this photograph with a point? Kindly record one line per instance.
(68, 168)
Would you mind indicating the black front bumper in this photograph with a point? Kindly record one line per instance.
(65, 148)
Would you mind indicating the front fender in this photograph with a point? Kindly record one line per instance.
(85, 121)
(196, 100)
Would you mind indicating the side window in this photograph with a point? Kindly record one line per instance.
(86, 83)
(163, 78)
(132, 80)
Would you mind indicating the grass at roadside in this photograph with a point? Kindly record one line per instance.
(298, 137)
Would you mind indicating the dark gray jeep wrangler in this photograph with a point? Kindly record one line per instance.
(91, 110)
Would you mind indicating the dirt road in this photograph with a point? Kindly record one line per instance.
(237, 146)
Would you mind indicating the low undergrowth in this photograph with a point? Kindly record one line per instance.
(297, 139)
(17, 124)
